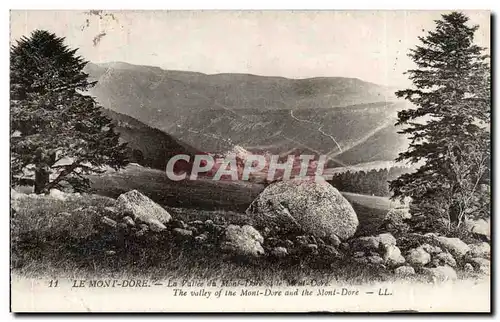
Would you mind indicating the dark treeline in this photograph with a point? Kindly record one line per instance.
(372, 182)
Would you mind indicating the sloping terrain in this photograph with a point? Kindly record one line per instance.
(212, 113)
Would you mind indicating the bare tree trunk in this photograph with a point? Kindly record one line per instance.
(41, 179)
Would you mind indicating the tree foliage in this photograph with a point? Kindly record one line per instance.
(449, 126)
(57, 132)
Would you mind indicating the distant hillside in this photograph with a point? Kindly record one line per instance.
(149, 147)
(349, 119)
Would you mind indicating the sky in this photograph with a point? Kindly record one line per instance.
(369, 45)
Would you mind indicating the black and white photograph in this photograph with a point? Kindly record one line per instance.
(212, 161)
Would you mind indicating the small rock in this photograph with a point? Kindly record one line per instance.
(404, 271)
(330, 250)
(431, 249)
(279, 252)
(156, 226)
(110, 252)
(57, 194)
(201, 238)
(302, 240)
(479, 250)
(209, 222)
(393, 257)
(481, 265)
(440, 273)
(287, 243)
(243, 241)
(344, 247)
(143, 209)
(176, 223)
(468, 267)
(334, 240)
(386, 240)
(375, 260)
(196, 223)
(112, 212)
(418, 257)
(128, 221)
(454, 245)
(272, 241)
(109, 222)
(122, 226)
(182, 232)
(64, 214)
(444, 259)
(358, 254)
(144, 227)
(311, 248)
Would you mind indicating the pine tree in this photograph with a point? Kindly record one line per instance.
(449, 126)
(52, 120)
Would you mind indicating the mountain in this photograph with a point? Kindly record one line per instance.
(149, 146)
(350, 120)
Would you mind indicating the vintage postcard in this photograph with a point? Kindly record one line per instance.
(250, 161)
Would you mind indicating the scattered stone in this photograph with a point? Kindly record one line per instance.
(361, 260)
(344, 247)
(444, 259)
(143, 227)
(302, 240)
(454, 245)
(122, 226)
(196, 223)
(64, 214)
(155, 225)
(386, 240)
(176, 223)
(279, 252)
(112, 212)
(110, 252)
(244, 241)
(404, 271)
(431, 249)
(109, 222)
(375, 260)
(143, 209)
(311, 248)
(334, 240)
(479, 250)
(468, 267)
(418, 257)
(201, 238)
(481, 265)
(440, 273)
(358, 254)
(315, 207)
(57, 194)
(330, 250)
(129, 221)
(393, 257)
(287, 243)
(179, 232)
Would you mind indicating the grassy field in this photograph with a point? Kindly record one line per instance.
(58, 238)
(223, 196)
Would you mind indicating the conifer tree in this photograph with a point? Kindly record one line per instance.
(448, 127)
(52, 118)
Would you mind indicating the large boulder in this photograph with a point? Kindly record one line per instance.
(143, 209)
(315, 207)
(244, 241)
(454, 245)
